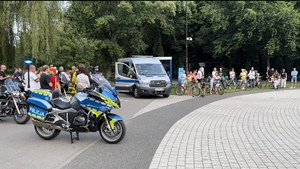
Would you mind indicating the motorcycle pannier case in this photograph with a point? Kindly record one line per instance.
(38, 108)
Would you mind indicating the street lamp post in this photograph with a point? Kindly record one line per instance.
(186, 36)
(187, 39)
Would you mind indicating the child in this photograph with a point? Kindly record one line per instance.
(276, 83)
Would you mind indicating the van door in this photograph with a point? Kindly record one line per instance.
(125, 77)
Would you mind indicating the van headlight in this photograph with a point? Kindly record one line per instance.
(144, 81)
(168, 81)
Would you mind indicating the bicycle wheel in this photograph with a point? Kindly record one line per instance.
(266, 84)
(220, 90)
(244, 86)
(238, 85)
(180, 90)
(251, 85)
(259, 85)
(195, 91)
(207, 89)
(233, 84)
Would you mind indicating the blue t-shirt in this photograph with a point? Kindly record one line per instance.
(294, 72)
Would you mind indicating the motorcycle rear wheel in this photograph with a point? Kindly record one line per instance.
(114, 136)
(22, 118)
(46, 134)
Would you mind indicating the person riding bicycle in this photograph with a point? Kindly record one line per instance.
(183, 79)
(201, 81)
(212, 80)
(232, 74)
(217, 78)
(190, 80)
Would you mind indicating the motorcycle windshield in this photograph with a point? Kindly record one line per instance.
(10, 85)
(102, 82)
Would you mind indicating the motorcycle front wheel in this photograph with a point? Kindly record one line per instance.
(23, 117)
(114, 135)
(45, 133)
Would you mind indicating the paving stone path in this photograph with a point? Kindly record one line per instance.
(259, 130)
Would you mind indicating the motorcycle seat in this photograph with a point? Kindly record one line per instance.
(61, 104)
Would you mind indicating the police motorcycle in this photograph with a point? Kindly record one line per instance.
(12, 102)
(88, 111)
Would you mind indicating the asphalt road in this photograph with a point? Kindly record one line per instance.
(22, 148)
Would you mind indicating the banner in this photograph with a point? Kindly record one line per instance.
(180, 70)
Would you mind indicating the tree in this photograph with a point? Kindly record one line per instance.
(252, 30)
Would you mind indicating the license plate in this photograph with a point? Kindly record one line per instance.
(159, 89)
(36, 112)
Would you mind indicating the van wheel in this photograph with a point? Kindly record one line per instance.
(135, 93)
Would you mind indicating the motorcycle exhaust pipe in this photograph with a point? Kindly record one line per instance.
(47, 125)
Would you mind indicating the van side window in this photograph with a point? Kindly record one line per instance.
(124, 70)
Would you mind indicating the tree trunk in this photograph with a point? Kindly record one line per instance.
(260, 63)
(268, 61)
(284, 61)
(108, 73)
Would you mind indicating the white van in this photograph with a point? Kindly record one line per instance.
(142, 77)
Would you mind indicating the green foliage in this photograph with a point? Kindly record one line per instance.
(99, 32)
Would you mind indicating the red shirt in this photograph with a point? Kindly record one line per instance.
(54, 79)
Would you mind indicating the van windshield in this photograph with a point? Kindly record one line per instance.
(150, 69)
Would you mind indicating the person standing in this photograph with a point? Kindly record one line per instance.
(251, 76)
(74, 75)
(243, 76)
(82, 79)
(183, 79)
(212, 80)
(190, 77)
(294, 74)
(221, 76)
(3, 76)
(283, 78)
(45, 79)
(54, 79)
(34, 81)
(96, 70)
(199, 76)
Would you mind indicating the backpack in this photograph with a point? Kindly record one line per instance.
(79, 87)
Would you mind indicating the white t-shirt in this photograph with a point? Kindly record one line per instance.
(33, 84)
(83, 81)
(251, 75)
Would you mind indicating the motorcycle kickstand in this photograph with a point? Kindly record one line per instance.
(1, 120)
(75, 138)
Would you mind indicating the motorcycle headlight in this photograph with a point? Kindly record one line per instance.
(144, 81)
(16, 94)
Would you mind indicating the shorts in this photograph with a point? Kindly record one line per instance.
(189, 84)
(294, 79)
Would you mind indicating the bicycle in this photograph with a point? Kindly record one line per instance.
(269, 82)
(180, 90)
(250, 83)
(229, 82)
(216, 85)
(241, 86)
